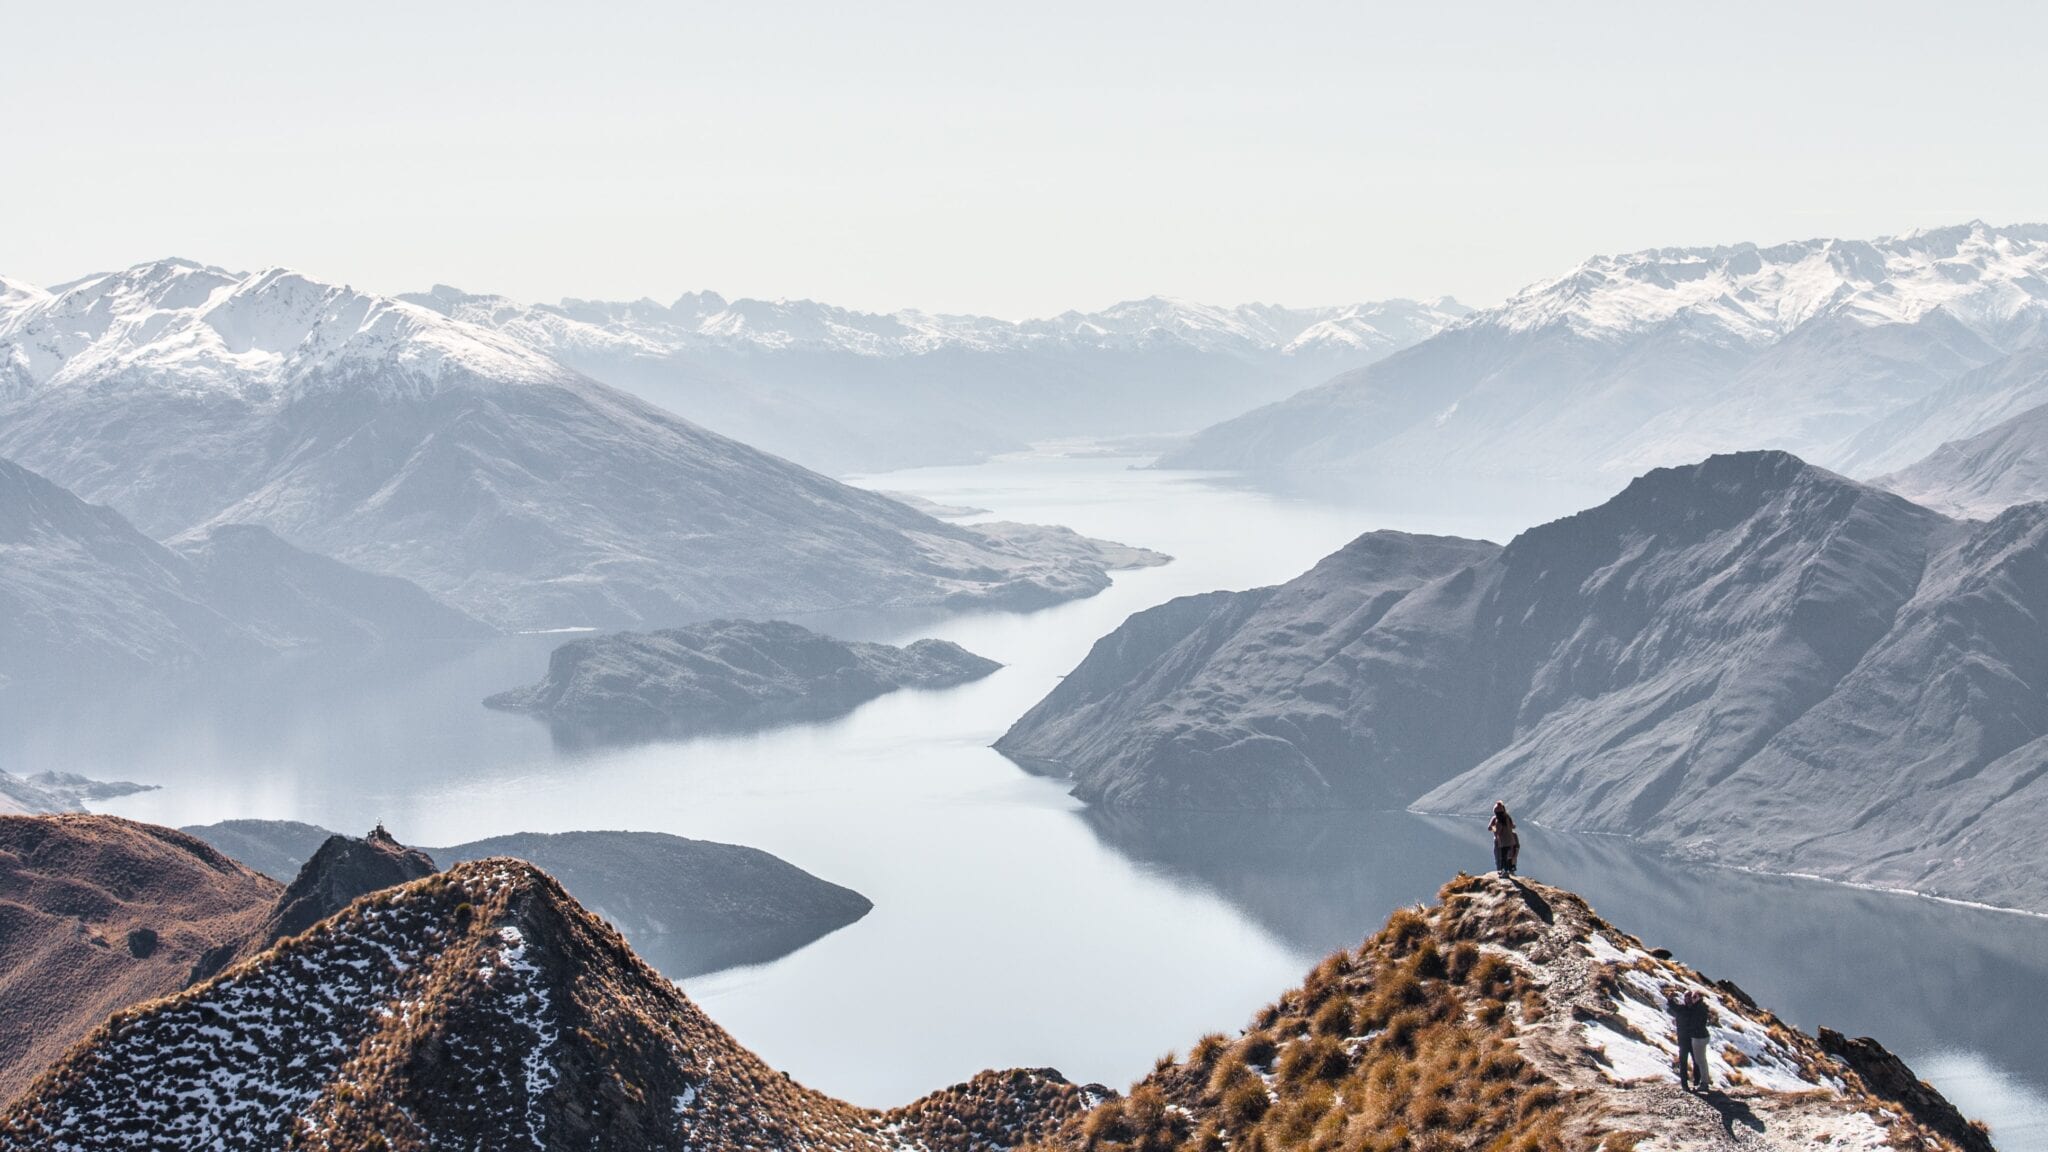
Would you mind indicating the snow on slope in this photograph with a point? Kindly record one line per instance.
(390, 437)
(1657, 357)
(705, 319)
(1990, 278)
(204, 328)
(846, 391)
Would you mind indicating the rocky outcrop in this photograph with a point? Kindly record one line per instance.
(97, 913)
(726, 674)
(343, 869)
(1888, 1076)
(1749, 660)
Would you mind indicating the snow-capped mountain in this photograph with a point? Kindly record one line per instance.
(394, 438)
(1651, 358)
(844, 390)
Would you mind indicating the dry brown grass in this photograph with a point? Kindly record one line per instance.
(1404, 1043)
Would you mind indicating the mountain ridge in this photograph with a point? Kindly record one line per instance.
(1656, 357)
(482, 1007)
(394, 439)
(1750, 661)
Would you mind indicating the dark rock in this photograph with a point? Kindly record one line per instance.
(141, 942)
(343, 869)
(1887, 1075)
(726, 674)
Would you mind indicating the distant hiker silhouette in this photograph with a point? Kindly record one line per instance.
(1507, 844)
(1689, 1017)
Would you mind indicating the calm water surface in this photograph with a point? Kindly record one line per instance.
(1012, 926)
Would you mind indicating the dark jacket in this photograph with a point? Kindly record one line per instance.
(1691, 1020)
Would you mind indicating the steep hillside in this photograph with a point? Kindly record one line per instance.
(390, 437)
(727, 674)
(1748, 660)
(480, 1007)
(82, 591)
(1973, 403)
(1244, 695)
(97, 914)
(842, 391)
(1657, 357)
(1512, 1016)
(81, 588)
(1982, 475)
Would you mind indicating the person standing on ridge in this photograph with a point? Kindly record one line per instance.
(1507, 845)
(1689, 1016)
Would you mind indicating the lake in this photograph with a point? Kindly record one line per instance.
(1012, 926)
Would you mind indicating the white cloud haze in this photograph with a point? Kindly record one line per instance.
(1014, 160)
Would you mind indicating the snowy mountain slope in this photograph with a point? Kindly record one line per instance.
(81, 591)
(1748, 660)
(1651, 358)
(477, 1008)
(389, 437)
(842, 390)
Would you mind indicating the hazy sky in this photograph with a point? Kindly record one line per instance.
(1014, 159)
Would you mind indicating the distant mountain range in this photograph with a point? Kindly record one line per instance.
(841, 391)
(1838, 350)
(1749, 660)
(81, 590)
(394, 439)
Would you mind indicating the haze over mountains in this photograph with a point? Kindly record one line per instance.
(1749, 660)
(841, 391)
(389, 437)
(1658, 357)
(81, 590)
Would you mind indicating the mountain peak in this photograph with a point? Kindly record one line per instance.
(478, 1007)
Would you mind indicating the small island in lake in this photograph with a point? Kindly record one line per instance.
(726, 675)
